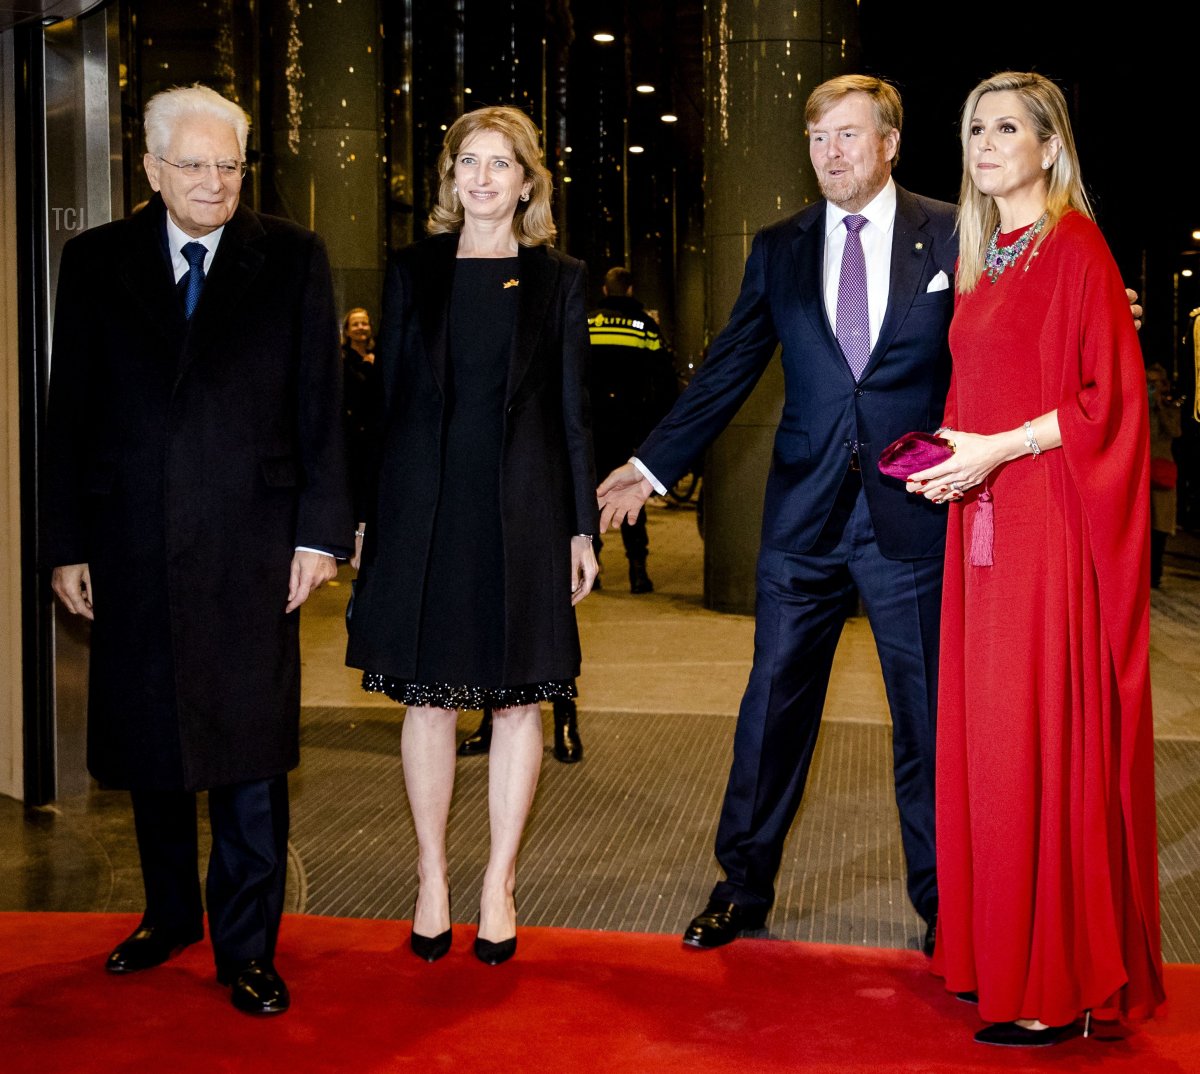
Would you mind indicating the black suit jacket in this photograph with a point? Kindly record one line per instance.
(547, 477)
(184, 462)
(824, 412)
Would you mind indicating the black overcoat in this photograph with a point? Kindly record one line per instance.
(547, 477)
(184, 463)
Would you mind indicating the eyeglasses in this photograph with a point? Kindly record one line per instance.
(194, 169)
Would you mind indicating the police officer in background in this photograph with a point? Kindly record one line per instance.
(633, 385)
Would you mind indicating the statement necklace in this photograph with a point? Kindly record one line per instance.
(996, 260)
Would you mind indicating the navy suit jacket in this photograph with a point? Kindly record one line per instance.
(825, 412)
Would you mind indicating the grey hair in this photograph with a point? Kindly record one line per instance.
(164, 110)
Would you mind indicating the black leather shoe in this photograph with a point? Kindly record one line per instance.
(431, 948)
(721, 922)
(967, 997)
(256, 987)
(639, 580)
(495, 953)
(930, 941)
(1011, 1035)
(480, 740)
(568, 746)
(147, 946)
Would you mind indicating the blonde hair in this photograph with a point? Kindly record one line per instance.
(533, 222)
(978, 216)
(164, 110)
(346, 321)
(885, 103)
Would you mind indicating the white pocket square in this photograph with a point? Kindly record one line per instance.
(938, 283)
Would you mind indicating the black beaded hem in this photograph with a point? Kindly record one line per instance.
(444, 695)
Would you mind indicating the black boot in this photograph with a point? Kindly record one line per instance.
(479, 740)
(568, 747)
(639, 580)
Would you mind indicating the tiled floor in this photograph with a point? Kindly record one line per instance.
(623, 840)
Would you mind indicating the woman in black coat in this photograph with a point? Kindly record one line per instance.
(477, 543)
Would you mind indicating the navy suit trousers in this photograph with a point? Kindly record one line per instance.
(802, 604)
(247, 868)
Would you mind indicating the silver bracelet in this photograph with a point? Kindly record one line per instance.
(1031, 440)
(360, 533)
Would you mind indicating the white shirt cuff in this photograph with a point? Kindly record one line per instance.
(659, 487)
(319, 551)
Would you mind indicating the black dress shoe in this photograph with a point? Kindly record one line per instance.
(147, 946)
(480, 740)
(967, 997)
(721, 922)
(930, 941)
(639, 580)
(257, 988)
(568, 746)
(431, 948)
(1011, 1035)
(495, 953)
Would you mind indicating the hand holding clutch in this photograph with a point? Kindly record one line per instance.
(912, 453)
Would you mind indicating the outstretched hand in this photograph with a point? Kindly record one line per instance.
(621, 496)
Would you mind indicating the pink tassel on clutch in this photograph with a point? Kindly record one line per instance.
(982, 531)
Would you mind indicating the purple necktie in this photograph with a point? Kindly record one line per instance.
(853, 325)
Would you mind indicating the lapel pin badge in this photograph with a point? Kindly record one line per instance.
(919, 246)
(510, 283)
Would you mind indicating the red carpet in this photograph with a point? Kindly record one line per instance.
(570, 1001)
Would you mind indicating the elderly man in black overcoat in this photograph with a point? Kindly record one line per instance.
(195, 495)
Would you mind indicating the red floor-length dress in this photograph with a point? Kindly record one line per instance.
(1047, 849)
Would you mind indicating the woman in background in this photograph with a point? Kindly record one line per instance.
(1166, 424)
(360, 400)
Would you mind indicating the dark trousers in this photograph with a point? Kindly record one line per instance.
(1158, 548)
(633, 536)
(247, 869)
(802, 603)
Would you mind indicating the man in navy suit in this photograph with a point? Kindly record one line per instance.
(857, 291)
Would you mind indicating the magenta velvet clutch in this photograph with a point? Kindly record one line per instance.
(912, 453)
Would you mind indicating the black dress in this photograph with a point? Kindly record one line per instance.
(460, 656)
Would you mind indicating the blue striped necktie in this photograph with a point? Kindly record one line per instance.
(193, 279)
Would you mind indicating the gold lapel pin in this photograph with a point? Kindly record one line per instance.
(919, 246)
(510, 283)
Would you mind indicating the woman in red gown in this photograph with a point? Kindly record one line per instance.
(1047, 853)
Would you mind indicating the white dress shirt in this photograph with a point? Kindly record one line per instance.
(177, 239)
(876, 238)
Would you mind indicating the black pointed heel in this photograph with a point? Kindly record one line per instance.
(1012, 1035)
(495, 953)
(431, 948)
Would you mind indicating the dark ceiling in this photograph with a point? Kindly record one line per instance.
(15, 12)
